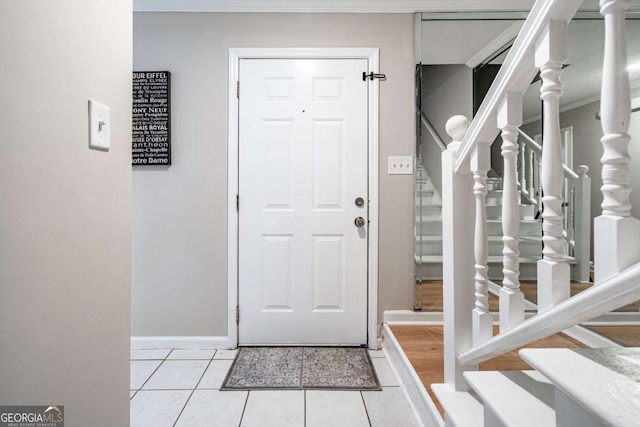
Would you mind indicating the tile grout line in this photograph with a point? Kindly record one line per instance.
(154, 371)
(194, 388)
(366, 411)
(244, 408)
(305, 408)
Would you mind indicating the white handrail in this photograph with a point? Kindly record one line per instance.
(515, 74)
(427, 124)
(540, 45)
(593, 302)
(568, 172)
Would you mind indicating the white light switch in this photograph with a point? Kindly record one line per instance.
(99, 126)
(400, 165)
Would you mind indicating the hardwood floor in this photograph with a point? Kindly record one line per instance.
(628, 336)
(431, 291)
(423, 345)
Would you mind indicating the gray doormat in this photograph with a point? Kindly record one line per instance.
(298, 368)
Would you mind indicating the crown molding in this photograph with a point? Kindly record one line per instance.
(329, 6)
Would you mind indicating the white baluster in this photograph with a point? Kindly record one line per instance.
(553, 271)
(537, 169)
(582, 227)
(522, 167)
(511, 298)
(616, 233)
(530, 177)
(482, 319)
(457, 260)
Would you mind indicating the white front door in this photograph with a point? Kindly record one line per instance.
(302, 164)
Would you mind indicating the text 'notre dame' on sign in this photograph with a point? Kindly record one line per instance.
(151, 137)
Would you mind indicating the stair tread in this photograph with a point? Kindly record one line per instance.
(427, 201)
(605, 380)
(462, 408)
(428, 238)
(516, 398)
(521, 220)
(489, 238)
(430, 218)
(491, 259)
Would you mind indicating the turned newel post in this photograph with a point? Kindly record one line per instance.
(457, 255)
(616, 233)
(615, 112)
(553, 271)
(511, 298)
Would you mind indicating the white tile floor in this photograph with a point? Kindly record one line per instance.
(182, 388)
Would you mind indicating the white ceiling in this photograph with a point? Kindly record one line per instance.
(456, 42)
(582, 78)
(334, 6)
(449, 42)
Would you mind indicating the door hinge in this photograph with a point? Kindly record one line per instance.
(237, 314)
(237, 203)
(238, 89)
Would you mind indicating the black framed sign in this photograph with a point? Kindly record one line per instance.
(151, 124)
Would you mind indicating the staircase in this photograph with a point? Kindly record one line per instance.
(428, 231)
(556, 393)
(586, 388)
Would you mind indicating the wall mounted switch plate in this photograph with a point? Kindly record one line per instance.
(400, 165)
(99, 126)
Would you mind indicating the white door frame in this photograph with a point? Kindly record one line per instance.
(372, 57)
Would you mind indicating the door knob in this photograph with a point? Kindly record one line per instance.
(359, 222)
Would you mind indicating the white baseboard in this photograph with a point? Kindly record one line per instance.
(180, 342)
(410, 381)
(410, 317)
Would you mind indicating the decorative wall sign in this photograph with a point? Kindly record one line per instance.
(151, 123)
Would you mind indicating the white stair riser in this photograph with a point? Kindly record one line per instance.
(495, 212)
(569, 413)
(527, 228)
(433, 227)
(514, 398)
(430, 227)
(428, 247)
(493, 200)
(429, 211)
(528, 249)
(424, 185)
(433, 271)
(425, 199)
(425, 193)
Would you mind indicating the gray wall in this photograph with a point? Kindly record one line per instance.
(587, 149)
(179, 213)
(447, 90)
(64, 209)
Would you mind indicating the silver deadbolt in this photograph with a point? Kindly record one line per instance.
(359, 222)
(359, 202)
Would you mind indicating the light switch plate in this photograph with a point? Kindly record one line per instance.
(400, 165)
(99, 126)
